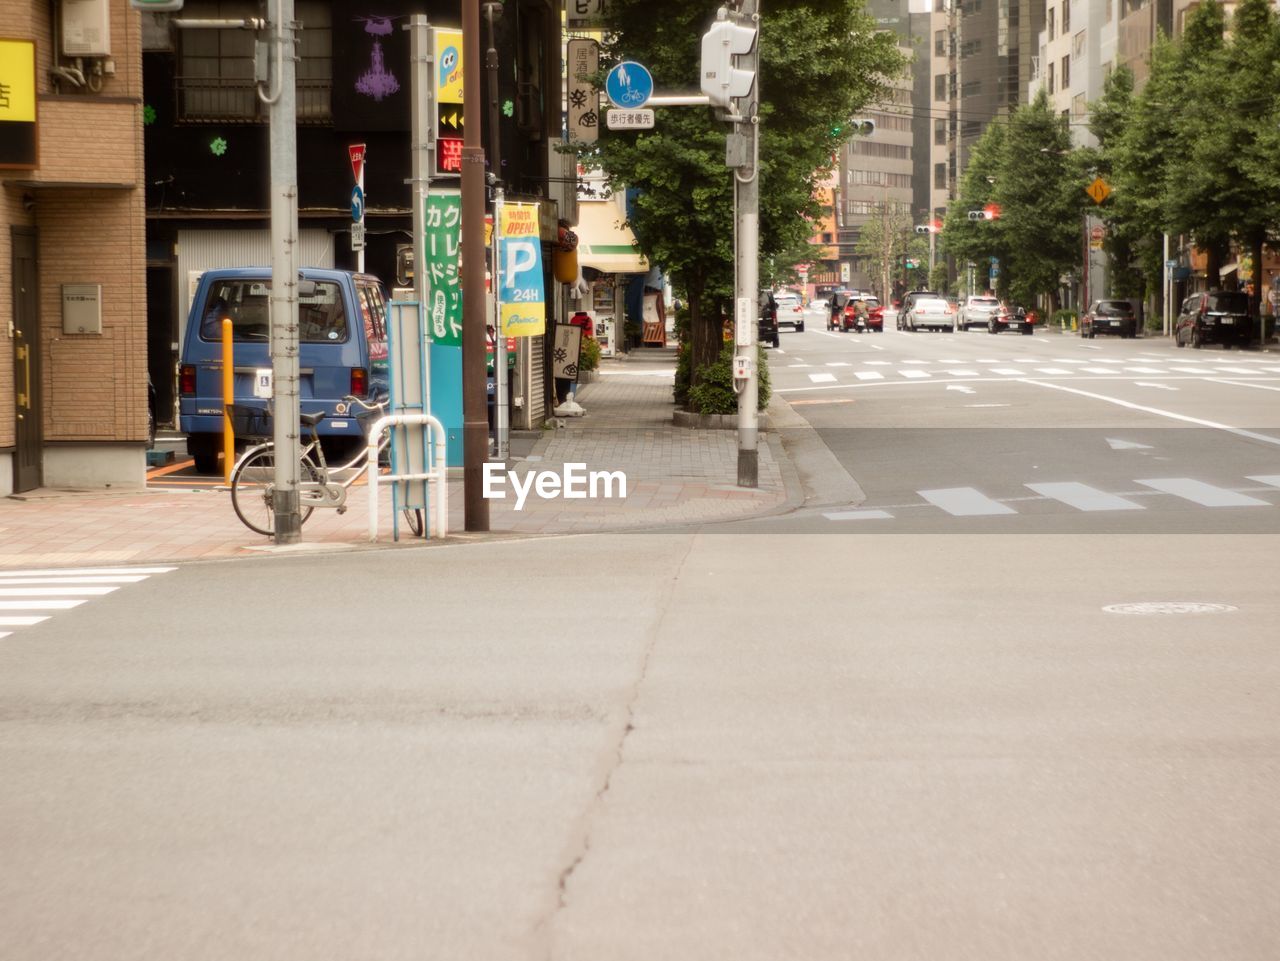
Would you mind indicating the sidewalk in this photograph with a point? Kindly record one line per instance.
(674, 476)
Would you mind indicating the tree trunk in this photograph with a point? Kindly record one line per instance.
(706, 332)
(1212, 266)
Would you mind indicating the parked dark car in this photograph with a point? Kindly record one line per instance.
(1110, 317)
(1215, 317)
(768, 325)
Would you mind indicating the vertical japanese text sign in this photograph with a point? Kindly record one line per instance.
(585, 14)
(443, 232)
(446, 77)
(18, 104)
(520, 251)
(583, 58)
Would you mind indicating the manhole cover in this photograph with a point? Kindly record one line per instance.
(1168, 607)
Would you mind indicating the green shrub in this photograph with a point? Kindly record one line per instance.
(715, 394)
(684, 362)
(589, 355)
(1064, 318)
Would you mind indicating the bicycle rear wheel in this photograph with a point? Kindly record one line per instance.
(413, 517)
(253, 486)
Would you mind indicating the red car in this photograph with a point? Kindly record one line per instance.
(873, 321)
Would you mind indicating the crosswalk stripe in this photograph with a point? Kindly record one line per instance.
(914, 374)
(868, 375)
(11, 621)
(1193, 370)
(61, 605)
(84, 571)
(1007, 371)
(823, 378)
(964, 373)
(1053, 370)
(858, 516)
(1238, 370)
(55, 591)
(839, 363)
(1145, 370)
(1198, 492)
(92, 579)
(1271, 480)
(964, 502)
(1083, 497)
(1098, 370)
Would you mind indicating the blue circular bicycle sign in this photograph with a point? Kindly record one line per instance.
(629, 85)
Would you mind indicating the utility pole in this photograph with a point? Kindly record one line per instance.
(501, 412)
(475, 419)
(284, 278)
(746, 191)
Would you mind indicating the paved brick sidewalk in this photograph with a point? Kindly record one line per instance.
(674, 476)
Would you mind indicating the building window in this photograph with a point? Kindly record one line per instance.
(1066, 16)
(1077, 45)
(940, 176)
(1109, 14)
(1051, 87)
(971, 88)
(215, 76)
(826, 238)
(940, 86)
(1077, 106)
(940, 132)
(1052, 14)
(970, 48)
(1066, 72)
(940, 43)
(939, 6)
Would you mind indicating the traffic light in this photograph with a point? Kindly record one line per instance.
(923, 229)
(977, 215)
(721, 80)
(912, 264)
(862, 127)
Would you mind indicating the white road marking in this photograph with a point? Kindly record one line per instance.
(962, 389)
(1272, 480)
(869, 375)
(877, 363)
(1238, 431)
(1237, 370)
(1240, 383)
(1056, 371)
(965, 502)
(916, 361)
(55, 591)
(1145, 370)
(6, 621)
(858, 516)
(113, 572)
(1147, 383)
(1127, 444)
(875, 347)
(839, 363)
(951, 361)
(964, 373)
(916, 374)
(39, 605)
(799, 365)
(822, 378)
(1194, 370)
(1098, 370)
(1008, 371)
(986, 405)
(1198, 492)
(93, 579)
(1083, 497)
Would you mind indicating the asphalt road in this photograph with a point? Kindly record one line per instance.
(936, 738)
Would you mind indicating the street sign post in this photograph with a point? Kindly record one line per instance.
(355, 153)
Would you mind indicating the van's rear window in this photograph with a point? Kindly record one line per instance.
(321, 316)
(1232, 301)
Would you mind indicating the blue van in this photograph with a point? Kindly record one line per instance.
(342, 340)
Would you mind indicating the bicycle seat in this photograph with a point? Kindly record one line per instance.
(310, 420)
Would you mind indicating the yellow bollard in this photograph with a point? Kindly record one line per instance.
(228, 398)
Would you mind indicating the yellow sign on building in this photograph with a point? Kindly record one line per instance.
(17, 104)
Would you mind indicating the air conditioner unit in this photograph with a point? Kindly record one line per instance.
(86, 28)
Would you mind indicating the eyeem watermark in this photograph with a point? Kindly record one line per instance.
(574, 482)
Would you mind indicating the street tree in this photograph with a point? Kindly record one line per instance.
(1128, 235)
(822, 62)
(977, 241)
(1040, 194)
(883, 240)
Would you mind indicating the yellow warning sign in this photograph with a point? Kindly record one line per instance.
(1098, 190)
(17, 103)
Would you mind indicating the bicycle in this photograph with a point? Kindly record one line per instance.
(319, 485)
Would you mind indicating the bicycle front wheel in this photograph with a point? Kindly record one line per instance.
(253, 489)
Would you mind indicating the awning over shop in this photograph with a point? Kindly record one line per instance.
(603, 242)
(1228, 270)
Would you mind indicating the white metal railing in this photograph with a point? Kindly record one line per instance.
(437, 475)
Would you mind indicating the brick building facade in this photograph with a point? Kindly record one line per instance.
(73, 397)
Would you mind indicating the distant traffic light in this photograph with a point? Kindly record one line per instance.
(862, 127)
(923, 229)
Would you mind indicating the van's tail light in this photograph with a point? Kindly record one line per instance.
(187, 380)
(359, 381)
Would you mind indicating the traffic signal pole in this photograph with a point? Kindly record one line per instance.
(746, 215)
